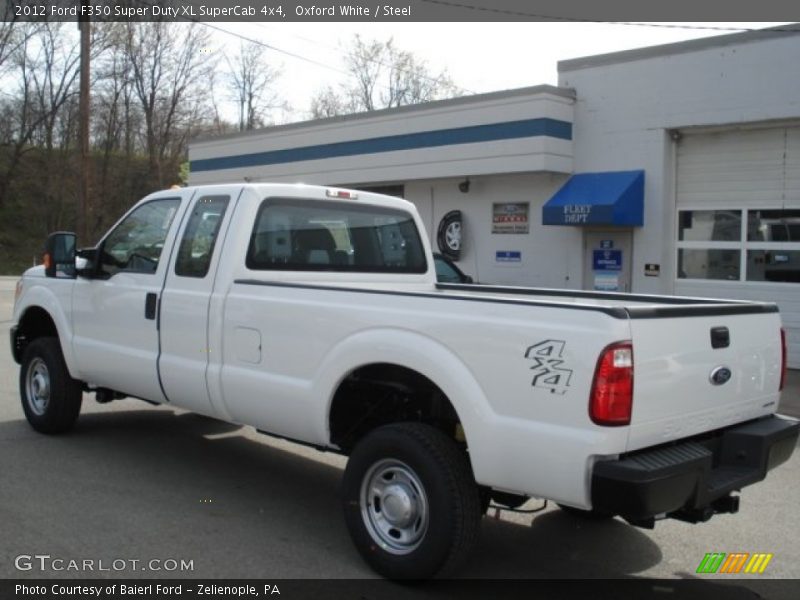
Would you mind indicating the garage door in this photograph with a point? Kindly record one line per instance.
(738, 234)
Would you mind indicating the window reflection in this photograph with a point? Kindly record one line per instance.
(773, 225)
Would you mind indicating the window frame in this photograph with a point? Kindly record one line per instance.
(273, 201)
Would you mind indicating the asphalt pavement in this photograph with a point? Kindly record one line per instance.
(134, 482)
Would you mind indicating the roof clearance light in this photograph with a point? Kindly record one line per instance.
(344, 194)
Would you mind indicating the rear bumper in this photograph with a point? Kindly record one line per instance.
(692, 479)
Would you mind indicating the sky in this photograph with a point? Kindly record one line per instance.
(480, 57)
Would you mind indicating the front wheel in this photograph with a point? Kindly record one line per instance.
(51, 398)
(410, 501)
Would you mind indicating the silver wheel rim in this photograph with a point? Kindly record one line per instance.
(452, 236)
(37, 384)
(394, 506)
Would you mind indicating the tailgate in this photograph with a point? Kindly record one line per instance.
(680, 383)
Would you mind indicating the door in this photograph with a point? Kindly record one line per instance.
(607, 260)
(185, 302)
(115, 314)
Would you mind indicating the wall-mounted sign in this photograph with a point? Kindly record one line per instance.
(508, 256)
(606, 244)
(652, 270)
(607, 260)
(510, 217)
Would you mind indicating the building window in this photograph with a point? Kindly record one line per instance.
(756, 245)
(710, 226)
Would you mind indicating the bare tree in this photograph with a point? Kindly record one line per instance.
(13, 34)
(382, 76)
(251, 81)
(168, 74)
(54, 73)
(329, 103)
(365, 62)
(45, 68)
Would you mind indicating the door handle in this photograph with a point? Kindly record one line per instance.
(150, 304)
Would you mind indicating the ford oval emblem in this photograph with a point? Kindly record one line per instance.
(720, 375)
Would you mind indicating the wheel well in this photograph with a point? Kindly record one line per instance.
(381, 393)
(35, 322)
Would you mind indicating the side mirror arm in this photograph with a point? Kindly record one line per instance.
(87, 262)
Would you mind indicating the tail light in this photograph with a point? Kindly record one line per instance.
(611, 401)
(783, 358)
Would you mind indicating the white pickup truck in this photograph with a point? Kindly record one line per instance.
(313, 314)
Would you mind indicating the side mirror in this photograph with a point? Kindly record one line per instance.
(59, 255)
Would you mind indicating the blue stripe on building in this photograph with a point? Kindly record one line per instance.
(410, 141)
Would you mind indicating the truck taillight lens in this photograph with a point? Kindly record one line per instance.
(783, 358)
(611, 401)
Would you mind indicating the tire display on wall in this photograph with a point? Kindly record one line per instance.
(449, 235)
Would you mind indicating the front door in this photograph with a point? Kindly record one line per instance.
(115, 327)
(607, 260)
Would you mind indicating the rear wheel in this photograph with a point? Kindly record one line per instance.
(411, 503)
(51, 398)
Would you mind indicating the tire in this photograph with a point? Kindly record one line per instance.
(449, 235)
(427, 481)
(51, 399)
(589, 515)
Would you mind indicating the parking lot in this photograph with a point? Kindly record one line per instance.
(141, 483)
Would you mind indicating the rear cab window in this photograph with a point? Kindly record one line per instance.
(313, 235)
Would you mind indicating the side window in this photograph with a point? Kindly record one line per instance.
(311, 235)
(444, 272)
(136, 244)
(200, 236)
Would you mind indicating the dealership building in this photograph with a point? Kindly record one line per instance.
(673, 169)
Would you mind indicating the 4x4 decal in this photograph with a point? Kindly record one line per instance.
(547, 370)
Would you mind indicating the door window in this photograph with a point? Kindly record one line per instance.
(197, 245)
(136, 244)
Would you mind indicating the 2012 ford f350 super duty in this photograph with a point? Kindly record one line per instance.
(313, 314)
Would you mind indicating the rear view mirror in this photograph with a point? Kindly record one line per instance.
(59, 255)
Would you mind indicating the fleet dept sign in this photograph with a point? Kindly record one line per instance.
(577, 214)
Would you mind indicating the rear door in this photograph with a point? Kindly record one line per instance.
(680, 384)
(185, 301)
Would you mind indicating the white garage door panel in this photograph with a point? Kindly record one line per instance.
(793, 163)
(745, 168)
(732, 167)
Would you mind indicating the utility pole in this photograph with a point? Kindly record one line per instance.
(81, 221)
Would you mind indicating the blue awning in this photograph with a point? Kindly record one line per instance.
(611, 198)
